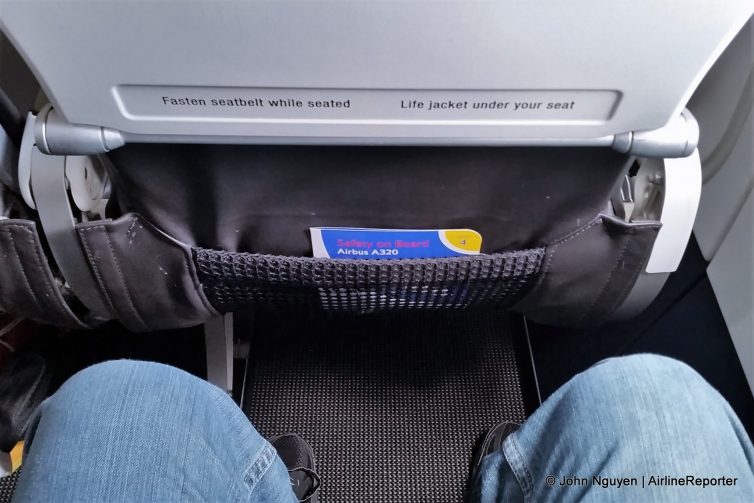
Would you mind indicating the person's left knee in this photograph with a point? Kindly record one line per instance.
(122, 380)
(116, 371)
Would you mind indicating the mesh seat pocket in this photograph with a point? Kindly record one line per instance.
(234, 280)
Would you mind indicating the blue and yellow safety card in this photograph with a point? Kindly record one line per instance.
(356, 243)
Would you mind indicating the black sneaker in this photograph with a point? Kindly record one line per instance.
(492, 442)
(298, 457)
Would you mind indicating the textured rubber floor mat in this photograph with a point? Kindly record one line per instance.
(392, 405)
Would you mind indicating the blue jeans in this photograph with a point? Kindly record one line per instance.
(624, 430)
(627, 429)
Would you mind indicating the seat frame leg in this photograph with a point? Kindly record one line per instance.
(218, 339)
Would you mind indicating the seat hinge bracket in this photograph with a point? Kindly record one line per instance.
(45, 181)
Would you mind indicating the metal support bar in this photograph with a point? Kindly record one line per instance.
(678, 138)
(218, 339)
(48, 185)
(53, 134)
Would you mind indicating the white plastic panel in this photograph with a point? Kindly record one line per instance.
(725, 225)
(732, 277)
(619, 66)
(682, 189)
(727, 151)
(725, 193)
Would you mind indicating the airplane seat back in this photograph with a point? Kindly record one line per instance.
(545, 128)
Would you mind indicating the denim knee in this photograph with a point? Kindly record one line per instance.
(110, 381)
(643, 367)
(656, 379)
(118, 370)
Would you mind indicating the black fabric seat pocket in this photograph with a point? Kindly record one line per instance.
(587, 274)
(27, 284)
(242, 215)
(151, 281)
(146, 278)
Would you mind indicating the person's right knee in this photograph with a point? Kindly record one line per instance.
(630, 384)
(641, 365)
(639, 371)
